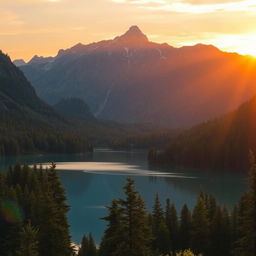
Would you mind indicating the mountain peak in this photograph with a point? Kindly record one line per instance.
(135, 30)
(133, 36)
(19, 62)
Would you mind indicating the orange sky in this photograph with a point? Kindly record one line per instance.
(42, 27)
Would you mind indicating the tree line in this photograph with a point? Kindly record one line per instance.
(33, 213)
(33, 221)
(26, 136)
(209, 229)
(220, 143)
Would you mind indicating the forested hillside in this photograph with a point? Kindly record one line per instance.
(224, 142)
(27, 124)
(109, 133)
(17, 95)
(74, 108)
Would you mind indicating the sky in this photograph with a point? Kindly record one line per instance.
(42, 27)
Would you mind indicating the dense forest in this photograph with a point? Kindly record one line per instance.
(220, 143)
(27, 124)
(33, 221)
(33, 213)
(19, 137)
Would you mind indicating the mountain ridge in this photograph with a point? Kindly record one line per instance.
(165, 84)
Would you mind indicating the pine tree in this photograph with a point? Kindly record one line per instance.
(243, 245)
(220, 233)
(200, 227)
(92, 250)
(252, 210)
(49, 229)
(83, 251)
(211, 205)
(161, 235)
(111, 238)
(58, 199)
(246, 220)
(172, 224)
(2, 186)
(227, 232)
(29, 242)
(134, 231)
(234, 228)
(88, 247)
(11, 238)
(158, 213)
(185, 228)
(57, 191)
(38, 194)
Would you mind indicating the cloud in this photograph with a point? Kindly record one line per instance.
(193, 6)
(42, 27)
(210, 1)
(140, 1)
(28, 1)
(9, 18)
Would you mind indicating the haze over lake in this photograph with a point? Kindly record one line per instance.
(93, 180)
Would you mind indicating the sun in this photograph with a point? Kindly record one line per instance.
(244, 44)
(249, 49)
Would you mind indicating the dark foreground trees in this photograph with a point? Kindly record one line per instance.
(245, 232)
(87, 247)
(209, 228)
(128, 232)
(33, 213)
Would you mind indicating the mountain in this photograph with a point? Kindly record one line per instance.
(74, 107)
(19, 62)
(221, 143)
(130, 79)
(27, 124)
(40, 60)
(17, 94)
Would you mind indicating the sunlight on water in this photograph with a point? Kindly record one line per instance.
(92, 181)
(109, 168)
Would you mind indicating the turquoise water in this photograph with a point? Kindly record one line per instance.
(93, 180)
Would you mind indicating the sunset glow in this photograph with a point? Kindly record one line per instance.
(44, 26)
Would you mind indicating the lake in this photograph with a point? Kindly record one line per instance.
(92, 180)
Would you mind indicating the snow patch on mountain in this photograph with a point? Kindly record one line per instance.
(104, 103)
(161, 54)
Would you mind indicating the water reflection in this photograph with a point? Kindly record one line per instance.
(110, 168)
(227, 188)
(75, 183)
(93, 180)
